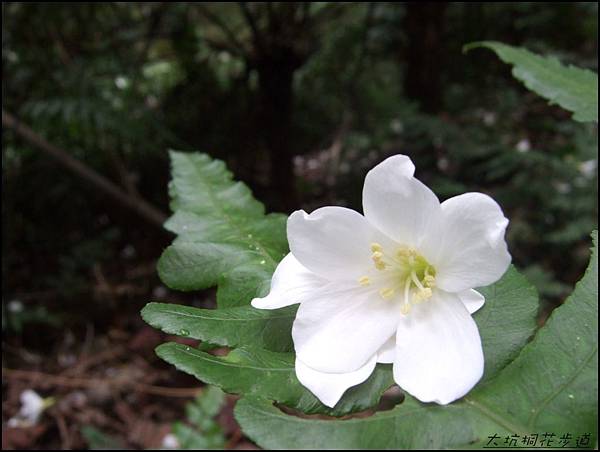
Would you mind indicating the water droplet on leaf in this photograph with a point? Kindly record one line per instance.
(183, 332)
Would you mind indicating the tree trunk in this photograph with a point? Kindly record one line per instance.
(424, 26)
(276, 77)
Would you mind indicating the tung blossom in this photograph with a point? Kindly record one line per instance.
(392, 286)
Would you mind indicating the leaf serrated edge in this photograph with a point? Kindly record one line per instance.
(581, 115)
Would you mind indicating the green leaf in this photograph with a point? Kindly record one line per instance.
(224, 236)
(407, 426)
(270, 374)
(553, 383)
(232, 327)
(550, 387)
(507, 320)
(573, 88)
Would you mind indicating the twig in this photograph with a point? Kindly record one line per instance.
(305, 14)
(73, 382)
(124, 174)
(28, 357)
(155, 21)
(141, 270)
(62, 51)
(62, 429)
(139, 205)
(103, 287)
(41, 294)
(235, 438)
(258, 39)
(236, 45)
(335, 150)
(94, 360)
(368, 23)
(88, 341)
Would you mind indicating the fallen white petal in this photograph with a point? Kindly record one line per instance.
(170, 441)
(32, 405)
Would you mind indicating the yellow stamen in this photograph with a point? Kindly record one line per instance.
(421, 295)
(377, 255)
(380, 265)
(412, 269)
(403, 252)
(386, 293)
(429, 281)
(376, 247)
(377, 260)
(364, 281)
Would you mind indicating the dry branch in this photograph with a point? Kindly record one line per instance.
(137, 204)
(45, 379)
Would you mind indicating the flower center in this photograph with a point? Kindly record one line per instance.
(405, 273)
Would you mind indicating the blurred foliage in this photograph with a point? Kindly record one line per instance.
(117, 84)
(97, 440)
(202, 431)
(15, 316)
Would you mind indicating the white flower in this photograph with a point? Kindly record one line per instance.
(392, 286)
(32, 406)
(170, 441)
(523, 146)
(588, 168)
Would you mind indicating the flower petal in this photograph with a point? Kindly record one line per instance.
(333, 242)
(469, 249)
(438, 350)
(292, 283)
(329, 387)
(387, 352)
(398, 204)
(472, 300)
(340, 329)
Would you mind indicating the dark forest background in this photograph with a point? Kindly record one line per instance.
(300, 100)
